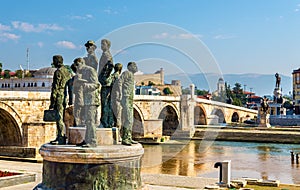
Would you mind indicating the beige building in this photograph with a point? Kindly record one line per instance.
(296, 90)
(157, 78)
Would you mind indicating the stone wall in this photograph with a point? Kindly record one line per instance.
(285, 121)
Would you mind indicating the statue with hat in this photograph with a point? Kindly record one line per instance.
(91, 59)
(57, 98)
(106, 55)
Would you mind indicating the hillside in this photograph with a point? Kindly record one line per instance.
(261, 84)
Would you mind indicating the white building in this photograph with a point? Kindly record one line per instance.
(41, 81)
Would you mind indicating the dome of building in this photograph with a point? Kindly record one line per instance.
(45, 72)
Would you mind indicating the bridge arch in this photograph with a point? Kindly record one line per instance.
(10, 126)
(235, 117)
(138, 122)
(170, 117)
(199, 115)
(220, 113)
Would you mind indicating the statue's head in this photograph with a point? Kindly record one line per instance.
(132, 67)
(58, 61)
(105, 44)
(90, 46)
(118, 67)
(79, 63)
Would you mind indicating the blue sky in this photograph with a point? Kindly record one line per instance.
(243, 36)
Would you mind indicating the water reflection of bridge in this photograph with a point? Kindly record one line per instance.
(21, 115)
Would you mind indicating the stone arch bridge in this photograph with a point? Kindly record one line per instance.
(21, 117)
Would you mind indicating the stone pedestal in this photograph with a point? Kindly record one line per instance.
(103, 167)
(105, 136)
(264, 120)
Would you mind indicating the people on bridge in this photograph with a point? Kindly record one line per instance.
(57, 98)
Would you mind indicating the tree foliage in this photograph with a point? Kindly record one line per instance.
(202, 92)
(167, 91)
(0, 70)
(6, 74)
(150, 83)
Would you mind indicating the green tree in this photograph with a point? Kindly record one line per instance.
(238, 93)
(6, 74)
(202, 92)
(237, 102)
(167, 91)
(19, 74)
(150, 83)
(0, 70)
(288, 105)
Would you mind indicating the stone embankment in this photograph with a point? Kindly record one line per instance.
(249, 134)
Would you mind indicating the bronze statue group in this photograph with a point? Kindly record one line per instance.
(89, 89)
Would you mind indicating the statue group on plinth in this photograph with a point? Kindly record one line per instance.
(94, 84)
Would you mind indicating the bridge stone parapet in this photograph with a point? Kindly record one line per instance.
(227, 113)
(22, 125)
(21, 122)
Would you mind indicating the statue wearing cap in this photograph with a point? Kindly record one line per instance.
(91, 58)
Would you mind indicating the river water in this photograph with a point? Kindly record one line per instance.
(197, 158)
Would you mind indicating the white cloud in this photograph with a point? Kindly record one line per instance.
(296, 10)
(163, 35)
(110, 11)
(4, 27)
(40, 44)
(27, 27)
(85, 17)
(65, 44)
(223, 37)
(8, 36)
(139, 73)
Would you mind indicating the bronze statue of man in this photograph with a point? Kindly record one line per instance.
(78, 109)
(106, 55)
(87, 76)
(105, 79)
(278, 79)
(57, 98)
(115, 102)
(126, 94)
(91, 59)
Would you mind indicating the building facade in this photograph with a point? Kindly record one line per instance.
(41, 81)
(296, 90)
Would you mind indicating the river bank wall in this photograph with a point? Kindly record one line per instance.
(248, 134)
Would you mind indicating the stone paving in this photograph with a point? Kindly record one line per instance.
(150, 181)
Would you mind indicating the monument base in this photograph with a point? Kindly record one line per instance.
(102, 167)
(105, 136)
(264, 121)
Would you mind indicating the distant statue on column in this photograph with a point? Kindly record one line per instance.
(278, 79)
